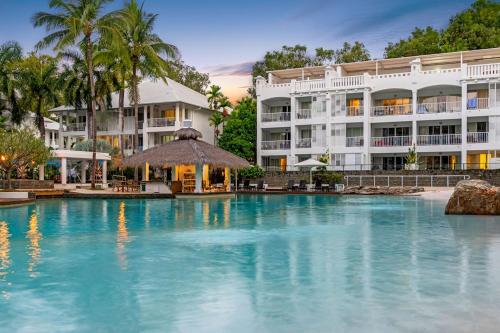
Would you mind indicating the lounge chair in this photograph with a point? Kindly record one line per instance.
(246, 184)
(331, 186)
(291, 185)
(260, 186)
(317, 185)
(303, 185)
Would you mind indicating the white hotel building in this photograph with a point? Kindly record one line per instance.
(366, 115)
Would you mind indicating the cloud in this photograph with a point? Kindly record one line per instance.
(244, 68)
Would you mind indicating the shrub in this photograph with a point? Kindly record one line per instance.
(328, 176)
(252, 172)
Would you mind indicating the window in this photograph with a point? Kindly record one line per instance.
(482, 127)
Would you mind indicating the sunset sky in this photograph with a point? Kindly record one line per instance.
(225, 37)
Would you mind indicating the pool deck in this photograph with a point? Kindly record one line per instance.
(15, 202)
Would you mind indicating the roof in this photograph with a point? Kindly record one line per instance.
(187, 149)
(395, 63)
(156, 92)
(79, 155)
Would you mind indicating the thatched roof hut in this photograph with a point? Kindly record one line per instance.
(186, 149)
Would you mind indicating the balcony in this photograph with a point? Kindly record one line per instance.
(477, 137)
(76, 127)
(354, 111)
(275, 145)
(443, 139)
(303, 143)
(275, 116)
(309, 85)
(354, 141)
(161, 122)
(477, 103)
(439, 107)
(392, 110)
(391, 141)
(304, 114)
(348, 82)
(483, 71)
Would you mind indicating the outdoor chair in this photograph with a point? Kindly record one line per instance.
(317, 185)
(291, 185)
(331, 186)
(260, 186)
(246, 184)
(303, 185)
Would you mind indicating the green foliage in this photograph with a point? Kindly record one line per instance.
(19, 150)
(252, 172)
(411, 156)
(475, 28)
(214, 94)
(102, 147)
(327, 176)
(189, 76)
(216, 119)
(10, 54)
(240, 132)
(351, 53)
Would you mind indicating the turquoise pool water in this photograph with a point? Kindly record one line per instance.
(252, 264)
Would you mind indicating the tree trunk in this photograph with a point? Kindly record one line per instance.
(121, 124)
(9, 182)
(90, 66)
(136, 115)
(40, 120)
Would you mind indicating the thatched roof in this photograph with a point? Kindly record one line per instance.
(187, 149)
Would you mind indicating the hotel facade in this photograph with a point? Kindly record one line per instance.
(367, 115)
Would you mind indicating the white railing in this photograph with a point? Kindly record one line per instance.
(76, 127)
(354, 141)
(303, 143)
(309, 85)
(161, 122)
(478, 103)
(275, 145)
(304, 114)
(484, 70)
(276, 116)
(391, 141)
(391, 75)
(405, 180)
(477, 137)
(391, 110)
(439, 107)
(354, 111)
(348, 81)
(443, 139)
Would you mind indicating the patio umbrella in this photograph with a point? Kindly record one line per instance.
(310, 163)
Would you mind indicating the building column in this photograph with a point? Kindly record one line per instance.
(366, 129)
(145, 172)
(41, 172)
(293, 110)
(178, 115)
(414, 97)
(199, 178)
(145, 133)
(83, 172)
(464, 126)
(174, 173)
(104, 172)
(61, 139)
(227, 178)
(328, 127)
(64, 171)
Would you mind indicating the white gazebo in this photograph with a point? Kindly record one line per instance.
(310, 163)
(84, 156)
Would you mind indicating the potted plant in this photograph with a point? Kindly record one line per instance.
(411, 159)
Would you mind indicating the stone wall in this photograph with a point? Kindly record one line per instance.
(279, 179)
(27, 184)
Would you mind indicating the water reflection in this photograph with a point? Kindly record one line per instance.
(122, 237)
(34, 250)
(4, 249)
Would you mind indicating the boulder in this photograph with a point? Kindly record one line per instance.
(475, 197)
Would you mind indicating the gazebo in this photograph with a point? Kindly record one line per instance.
(191, 161)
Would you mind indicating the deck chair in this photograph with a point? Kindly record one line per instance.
(246, 184)
(291, 185)
(317, 185)
(303, 185)
(260, 185)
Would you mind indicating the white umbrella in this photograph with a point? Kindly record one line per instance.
(310, 163)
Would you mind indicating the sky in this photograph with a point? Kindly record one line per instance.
(224, 38)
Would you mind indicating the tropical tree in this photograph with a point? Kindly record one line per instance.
(10, 53)
(38, 84)
(214, 95)
(143, 50)
(421, 41)
(351, 53)
(224, 104)
(216, 120)
(20, 149)
(80, 23)
(188, 76)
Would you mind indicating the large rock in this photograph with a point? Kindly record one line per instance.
(475, 197)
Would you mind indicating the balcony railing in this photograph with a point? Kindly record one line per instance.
(478, 103)
(391, 141)
(304, 114)
(354, 111)
(309, 85)
(303, 143)
(76, 127)
(161, 122)
(276, 116)
(275, 145)
(484, 70)
(348, 81)
(439, 107)
(443, 139)
(477, 137)
(354, 141)
(391, 110)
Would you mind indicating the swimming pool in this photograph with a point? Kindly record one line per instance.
(253, 264)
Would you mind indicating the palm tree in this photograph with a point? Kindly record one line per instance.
(38, 84)
(214, 94)
(10, 53)
(224, 103)
(77, 22)
(215, 120)
(143, 50)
